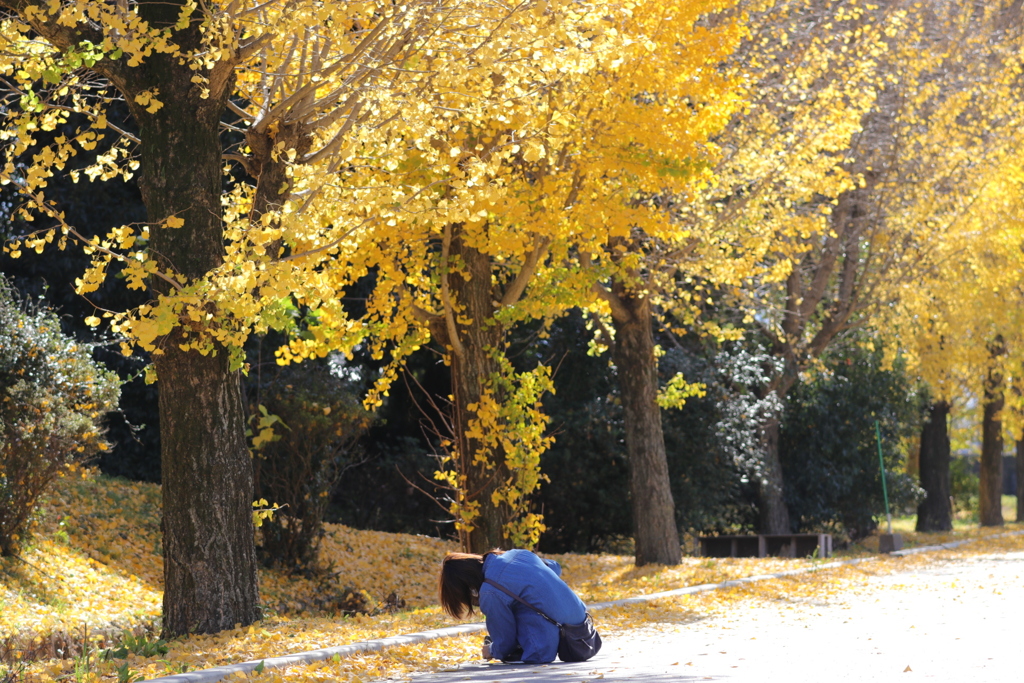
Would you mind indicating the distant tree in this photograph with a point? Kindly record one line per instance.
(930, 139)
(990, 490)
(715, 452)
(789, 245)
(586, 499)
(1020, 480)
(935, 512)
(315, 419)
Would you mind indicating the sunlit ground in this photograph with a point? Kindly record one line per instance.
(963, 519)
(93, 572)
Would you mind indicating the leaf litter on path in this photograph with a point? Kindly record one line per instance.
(95, 570)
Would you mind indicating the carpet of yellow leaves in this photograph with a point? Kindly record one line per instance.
(95, 570)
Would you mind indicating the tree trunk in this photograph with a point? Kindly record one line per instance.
(210, 571)
(990, 486)
(773, 515)
(935, 512)
(772, 512)
(471, 366)
(654, 524)
(1020, 480)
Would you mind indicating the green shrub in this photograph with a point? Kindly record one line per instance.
(713, 442)
(828, 445)
(52, 398)
(319, 420)
(963, 486)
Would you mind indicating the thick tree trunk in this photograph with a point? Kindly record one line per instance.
(210, 571)
(935, 512)
(773, 514)
(472, 366)
(772, 511)
(654, 524)
(1020, 480)
(990, 486)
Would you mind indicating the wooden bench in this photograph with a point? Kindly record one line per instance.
(765, 545)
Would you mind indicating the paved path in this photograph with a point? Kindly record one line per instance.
(950, 621)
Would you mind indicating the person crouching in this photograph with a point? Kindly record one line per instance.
(513, 588)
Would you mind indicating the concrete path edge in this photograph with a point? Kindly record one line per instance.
(218, 673)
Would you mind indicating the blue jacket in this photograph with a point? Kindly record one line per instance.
(512, 624)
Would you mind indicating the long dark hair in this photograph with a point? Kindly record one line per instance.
(461, 575)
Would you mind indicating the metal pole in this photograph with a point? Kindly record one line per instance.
(881, 464)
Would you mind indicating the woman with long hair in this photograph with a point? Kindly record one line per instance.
(499, 582)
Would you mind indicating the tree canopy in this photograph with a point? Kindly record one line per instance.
(366, 178)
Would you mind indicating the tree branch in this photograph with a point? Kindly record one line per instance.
(64, 37)
(619, 310)
(420, 314)
(449, 315)
(518, 286)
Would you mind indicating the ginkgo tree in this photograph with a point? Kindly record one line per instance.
(351, 137)
(301, 95)
(492, 203)
(864, 126)
(77, 57)
(958, 188)
(774, 212)
(521, 192)
(960, 326)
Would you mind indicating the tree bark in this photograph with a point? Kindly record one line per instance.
(654, 524)
(209, 556)
(1020, 480)
(990, 511)
(210, 570)
(472, 364)
(773, 514)
(935, 511)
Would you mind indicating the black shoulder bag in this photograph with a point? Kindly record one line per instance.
(576, 643)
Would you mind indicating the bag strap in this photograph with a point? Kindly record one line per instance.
(516, 597)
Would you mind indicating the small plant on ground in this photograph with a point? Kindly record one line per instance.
(12, 673)
(174, 667)
(139, 645)
(83, 663)
(126, 674)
